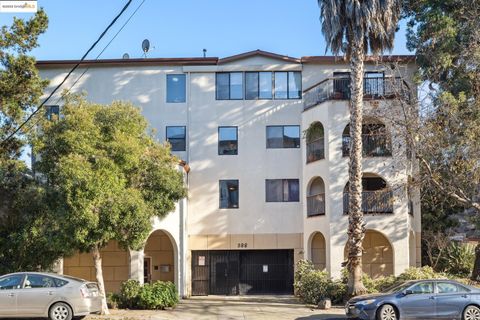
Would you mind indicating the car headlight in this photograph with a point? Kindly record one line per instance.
(365, 302)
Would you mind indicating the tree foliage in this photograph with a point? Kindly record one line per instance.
(110, 176)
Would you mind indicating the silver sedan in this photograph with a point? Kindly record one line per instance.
(33, 294)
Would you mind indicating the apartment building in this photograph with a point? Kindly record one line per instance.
(265, 141)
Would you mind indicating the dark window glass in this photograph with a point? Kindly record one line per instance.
(283, 137)
(265, 84)
(176, 137)
(422, 288)
(251, 85)
(60, 282)
(176, 88)
(38, 281)
(229, 194)
(281, 85)
(236, 85)
(294, 85)
(282, 190)
(52, 112)
(11, 282)
(448, 287)
(227, 141)
(223, 86)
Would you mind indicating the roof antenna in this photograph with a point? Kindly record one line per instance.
(145, 47)
(204, 53)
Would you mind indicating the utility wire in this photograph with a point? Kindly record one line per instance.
(68, 75)
(96, 58)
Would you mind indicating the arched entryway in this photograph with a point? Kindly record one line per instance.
(316, 197)
(318, 252)
(376, 141)
(377, 259)
(159, 258)
(314, 137)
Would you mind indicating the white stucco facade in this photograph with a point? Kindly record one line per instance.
(198, 223)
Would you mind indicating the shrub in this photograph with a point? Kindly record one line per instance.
(112, 300)
(459, 259)
(159, 295)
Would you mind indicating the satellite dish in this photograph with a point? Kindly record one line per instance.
(145, 46)
(126, 56)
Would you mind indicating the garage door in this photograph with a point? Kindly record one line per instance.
(242, 272)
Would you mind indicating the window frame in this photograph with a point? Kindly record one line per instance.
(184, 76)
(230, 85)
(22, 280)
(218, 135)
(283, 134)
(184, 137)
(283, 189)
(220, 195)
(53, 279)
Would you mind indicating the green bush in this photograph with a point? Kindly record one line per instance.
(459, 259)
(158, 295)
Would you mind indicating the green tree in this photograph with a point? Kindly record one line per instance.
(446, 37)
(111, 176)
(355, 26)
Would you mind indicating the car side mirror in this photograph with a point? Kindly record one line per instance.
(407, 292)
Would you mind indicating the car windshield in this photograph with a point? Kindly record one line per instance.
(397, 287)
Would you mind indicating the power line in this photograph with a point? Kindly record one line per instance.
(68, 74)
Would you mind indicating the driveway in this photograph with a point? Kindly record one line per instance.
(233, 308)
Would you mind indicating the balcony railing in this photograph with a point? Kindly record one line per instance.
(380, 201)
(316, 205)
(374, 145)
(315, 150)
(339, 89)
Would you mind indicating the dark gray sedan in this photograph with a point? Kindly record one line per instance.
(419, 299)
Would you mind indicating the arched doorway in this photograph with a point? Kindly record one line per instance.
(376, 140)
(318, 251)
(159, 258)
(316, 197)
(314, 137)
(377, 259)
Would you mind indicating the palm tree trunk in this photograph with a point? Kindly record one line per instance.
(356, 223)
(97, 260)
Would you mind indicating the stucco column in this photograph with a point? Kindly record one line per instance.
(136, 265)
(58, 266)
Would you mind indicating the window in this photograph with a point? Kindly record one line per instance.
(53, 112)
(228, 194)
(448, 287)
(11, 282)
(176, 137)
(258, 85)
(227, 140)
(176, 88)
(229, 86)
(34, 281)
(422, 288)
(283, 137)
(282, 190)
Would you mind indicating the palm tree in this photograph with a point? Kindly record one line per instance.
(361, 25)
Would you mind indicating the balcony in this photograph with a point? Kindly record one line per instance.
(374, 145)
(373, 202)
(316, 205)
(315, 150)
(339, 89)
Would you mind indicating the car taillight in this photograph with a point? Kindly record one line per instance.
(85, 292)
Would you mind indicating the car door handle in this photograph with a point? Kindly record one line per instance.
(432, 298)
(50, 293)
(464, 296)
(11, 294)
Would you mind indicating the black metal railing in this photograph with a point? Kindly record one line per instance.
(380, 201)
(315, 150)
(316, 205)
(373, 145)
(339, 89)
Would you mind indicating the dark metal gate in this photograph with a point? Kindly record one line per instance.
(233, 272)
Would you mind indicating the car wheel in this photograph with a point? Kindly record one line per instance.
(471, 313)
(60, 311)
(387, 312)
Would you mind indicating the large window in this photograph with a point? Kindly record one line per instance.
(176, 88)
(229, 86)
(227, 140)
(282, 190)
(176, 137)
(229, 194)
(11, 282)
(258, 85)
(283, 137)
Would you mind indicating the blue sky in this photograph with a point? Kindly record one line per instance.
(182, 28)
